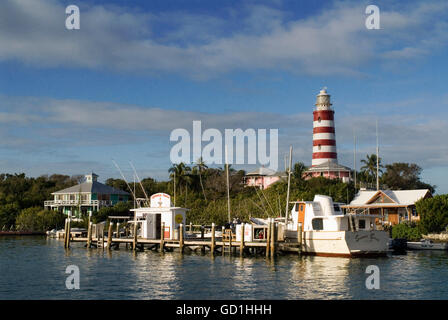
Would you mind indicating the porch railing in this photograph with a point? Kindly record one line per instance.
(53, 203)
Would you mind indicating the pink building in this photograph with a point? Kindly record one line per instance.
(325, 157)
(262, 178)
(329, 170)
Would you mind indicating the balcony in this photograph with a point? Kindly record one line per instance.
(56, 203)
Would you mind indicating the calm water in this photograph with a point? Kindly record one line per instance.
(34, 268)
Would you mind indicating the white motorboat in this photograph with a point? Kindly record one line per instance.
(426, 244)
(52, 233)
(327, 231)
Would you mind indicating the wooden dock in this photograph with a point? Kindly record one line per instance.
(193, 241)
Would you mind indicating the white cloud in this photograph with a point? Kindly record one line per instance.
(334, 41)
(72, 124)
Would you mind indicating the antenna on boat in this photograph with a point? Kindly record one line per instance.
(228, 187)
(121, 173)
(289, 184)
(135, 200)
(354, 155)
(174, 187)
(262, 202)
(377, 159)
(140, 182)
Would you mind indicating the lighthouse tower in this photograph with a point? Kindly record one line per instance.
(324, 139)
(325, 159)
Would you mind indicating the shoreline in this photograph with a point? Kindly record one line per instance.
(21, 233)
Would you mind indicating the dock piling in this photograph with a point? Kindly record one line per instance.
(268, 238)
(68, 234)
(109, 235)
(222, 240)
(134, 242)
(212, 244)
(273, 234)
(242, 239)
(181, 238)
(102, 238)
(89, 233)
(65, 233)
(162, 236)
(230, 241)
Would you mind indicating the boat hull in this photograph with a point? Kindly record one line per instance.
(346, 243)
(425, 246)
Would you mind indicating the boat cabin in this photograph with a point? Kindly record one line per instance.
(161, 210)
(322, 214)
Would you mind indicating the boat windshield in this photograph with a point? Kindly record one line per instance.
(336, 208)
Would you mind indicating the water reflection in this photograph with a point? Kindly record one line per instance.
(243, 276)
(34, 268)
(319, 278)
(154, 275)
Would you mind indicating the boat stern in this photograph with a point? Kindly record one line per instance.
(367, 243)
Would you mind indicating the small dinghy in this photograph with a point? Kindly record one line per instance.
(425, 244)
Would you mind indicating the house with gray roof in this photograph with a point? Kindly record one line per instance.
(86, 197)
(392, 206)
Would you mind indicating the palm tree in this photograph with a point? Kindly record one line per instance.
(369, 167)
(200, 165)
(223, 169)
(182, 173)
(298, 170)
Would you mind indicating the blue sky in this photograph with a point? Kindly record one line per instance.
(70, 101)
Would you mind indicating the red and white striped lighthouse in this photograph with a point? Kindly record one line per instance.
(324, 138)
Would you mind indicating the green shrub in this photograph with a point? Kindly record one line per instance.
(120, 209)
(406, 230)
(433, 213)
(37, 219)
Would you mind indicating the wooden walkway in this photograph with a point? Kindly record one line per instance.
(215, 245)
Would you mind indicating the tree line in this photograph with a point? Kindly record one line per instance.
(201, 189)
